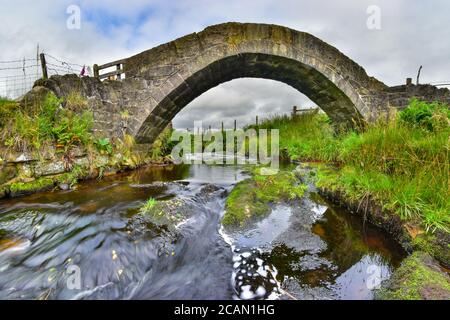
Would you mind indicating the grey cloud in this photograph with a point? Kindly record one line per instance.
(413, 33)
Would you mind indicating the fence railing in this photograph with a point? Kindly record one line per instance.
(113, 75)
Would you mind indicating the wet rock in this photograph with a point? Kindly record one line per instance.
(251, 198)
(64, 186)
(26, 170)
(167, 216)
(83, 162)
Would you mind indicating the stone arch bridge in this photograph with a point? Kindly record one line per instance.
(161, 81)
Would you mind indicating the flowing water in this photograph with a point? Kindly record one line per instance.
(92, 243)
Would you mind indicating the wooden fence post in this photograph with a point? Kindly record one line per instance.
(118, 69)
(96, 71)
(418, 75)
(235, 124)
(44, 66)
(256, 121)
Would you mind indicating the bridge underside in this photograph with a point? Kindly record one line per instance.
(305, 79)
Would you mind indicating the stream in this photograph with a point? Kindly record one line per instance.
(305, 249)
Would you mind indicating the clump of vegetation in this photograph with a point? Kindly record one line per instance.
(7, 109)
(418, 278)
(252, 197)
(430, 116)
(71, 178)
(103, 146)
(402, 163)
(62, 128)
(162, 145)
(76, 102)
(47, 123)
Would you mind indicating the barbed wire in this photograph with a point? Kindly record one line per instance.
(17, 61)
(17, 75)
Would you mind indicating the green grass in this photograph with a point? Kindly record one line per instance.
(309, 136)
(148, 205)
(402, 163)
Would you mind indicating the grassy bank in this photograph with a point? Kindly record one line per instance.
(418, 278)
(402, 163)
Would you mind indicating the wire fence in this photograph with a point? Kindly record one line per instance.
(17, 77)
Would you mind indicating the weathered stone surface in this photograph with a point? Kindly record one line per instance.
(25, 170)
(161, 81)
(7, 173)
(49, 168)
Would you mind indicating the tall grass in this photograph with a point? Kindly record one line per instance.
(308, 136)
(402, 163)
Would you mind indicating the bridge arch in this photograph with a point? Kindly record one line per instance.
(161, 81)
(178, 72)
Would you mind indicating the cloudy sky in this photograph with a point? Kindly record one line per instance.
(412, 33)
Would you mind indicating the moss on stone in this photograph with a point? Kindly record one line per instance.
(418, 278)
(30, 187)
(435, 245)
(252, 197)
